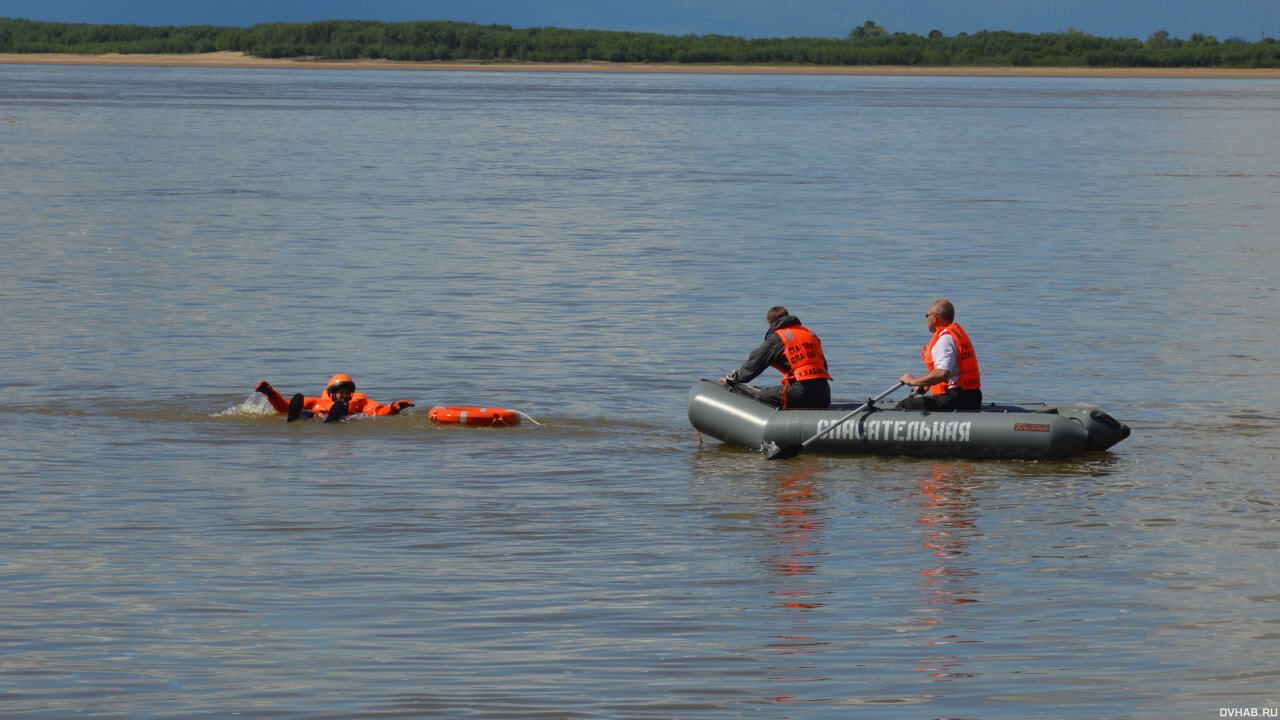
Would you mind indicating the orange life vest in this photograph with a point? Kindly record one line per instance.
(360, 404)
(966, 360)
(803, 351)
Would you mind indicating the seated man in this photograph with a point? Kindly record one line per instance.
(953, 377)
(795, 352)
(338, 400)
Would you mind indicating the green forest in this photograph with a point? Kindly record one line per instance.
(866, 44)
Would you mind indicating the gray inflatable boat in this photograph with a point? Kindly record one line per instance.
(731, 413)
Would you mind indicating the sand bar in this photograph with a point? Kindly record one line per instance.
(240, 60)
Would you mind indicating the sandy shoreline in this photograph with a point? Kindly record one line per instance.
(240, 60)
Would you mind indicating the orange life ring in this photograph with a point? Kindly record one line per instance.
(494, 417)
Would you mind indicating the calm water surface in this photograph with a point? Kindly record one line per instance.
(583, 248)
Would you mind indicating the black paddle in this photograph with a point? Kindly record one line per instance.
(773, 452)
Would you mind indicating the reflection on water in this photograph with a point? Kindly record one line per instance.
(949, 516)
(798, 506)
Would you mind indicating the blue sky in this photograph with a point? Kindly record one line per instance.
(1247, 19)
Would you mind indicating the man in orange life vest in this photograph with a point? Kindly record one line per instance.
(797, 353)
(338, 400)
(953, 380)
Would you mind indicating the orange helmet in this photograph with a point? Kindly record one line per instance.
(340, 382)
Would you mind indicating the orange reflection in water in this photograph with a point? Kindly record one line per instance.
(798, 509)
(799, 520)
(949, 517)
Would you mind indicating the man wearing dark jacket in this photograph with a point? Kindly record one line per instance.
(797, 353)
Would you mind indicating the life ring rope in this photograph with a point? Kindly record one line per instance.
(526, 417)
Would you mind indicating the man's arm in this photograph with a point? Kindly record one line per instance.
(766, 354)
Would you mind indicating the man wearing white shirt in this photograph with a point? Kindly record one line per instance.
(953, 381)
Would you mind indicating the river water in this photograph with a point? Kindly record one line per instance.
(583, 247)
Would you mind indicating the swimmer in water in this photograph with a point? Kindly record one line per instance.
(338, 400)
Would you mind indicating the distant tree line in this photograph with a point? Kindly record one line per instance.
(867, 44)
